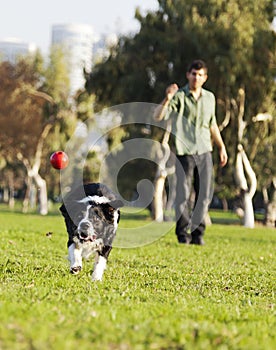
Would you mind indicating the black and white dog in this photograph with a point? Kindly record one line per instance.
(91, 214)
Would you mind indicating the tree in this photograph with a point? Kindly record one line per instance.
(27, 115)
(19, 112)
(262, 149)
(236, 40)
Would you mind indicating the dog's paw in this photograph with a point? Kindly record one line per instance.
(99, 267)
(96, 277)
(75, 270)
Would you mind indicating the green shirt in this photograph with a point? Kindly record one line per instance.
(191, 121)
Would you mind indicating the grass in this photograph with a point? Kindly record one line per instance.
(161, 296)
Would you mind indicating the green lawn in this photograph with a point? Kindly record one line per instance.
(158, 296)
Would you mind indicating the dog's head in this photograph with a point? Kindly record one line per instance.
(97, 217)
(91, 212)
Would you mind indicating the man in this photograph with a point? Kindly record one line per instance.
(192, 112)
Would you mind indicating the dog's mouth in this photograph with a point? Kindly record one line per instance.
(84, 237)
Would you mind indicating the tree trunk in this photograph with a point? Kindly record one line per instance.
(40, 188)
(224, 204)
(270, 215)
(11, 191)
(26, 200)
(248, 219)
(42, 194)
(161, 174)
(33, 174)
(158, 213)
(242, 166)
(33, 196)
(6, 194)
(11, 198)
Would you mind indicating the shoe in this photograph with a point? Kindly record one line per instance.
(197, 241)
(184, 239)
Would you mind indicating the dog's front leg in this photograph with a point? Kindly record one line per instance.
(99, 267)
(75, 259)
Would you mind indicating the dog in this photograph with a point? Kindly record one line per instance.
(92, 214)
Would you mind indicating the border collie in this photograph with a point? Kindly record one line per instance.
(91, 213)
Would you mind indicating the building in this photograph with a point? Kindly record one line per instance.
(77, 42)
(12, 49)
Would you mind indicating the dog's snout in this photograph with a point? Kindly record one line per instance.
(85, 225)
(85, 229)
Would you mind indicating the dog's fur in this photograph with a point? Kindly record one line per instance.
(91, 214)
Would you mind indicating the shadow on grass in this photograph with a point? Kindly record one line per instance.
(133, 214)
(224, 217)
(53, 210)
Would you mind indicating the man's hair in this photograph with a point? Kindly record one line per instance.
(197, 65)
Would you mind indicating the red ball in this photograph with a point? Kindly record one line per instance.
(59, 160)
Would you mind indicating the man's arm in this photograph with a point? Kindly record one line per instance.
(161, 109)
(216, 136)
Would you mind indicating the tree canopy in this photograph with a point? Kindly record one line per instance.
(234, 37)
(236, 40)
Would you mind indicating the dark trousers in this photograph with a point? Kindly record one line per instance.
(193, 172)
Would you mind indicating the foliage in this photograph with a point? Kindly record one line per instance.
(27, 114)
(19, 110)
(57, 77)
(234, 38)
(160, 296)
(37, 117)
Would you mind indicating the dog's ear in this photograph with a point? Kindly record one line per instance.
(117, 203)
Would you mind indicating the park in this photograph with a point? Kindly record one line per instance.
(156, 294)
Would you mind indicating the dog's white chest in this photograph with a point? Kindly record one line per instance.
(89, 248)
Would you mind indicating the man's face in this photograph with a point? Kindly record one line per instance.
(196, 78)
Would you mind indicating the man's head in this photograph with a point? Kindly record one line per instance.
(197, 74)
(197, 65)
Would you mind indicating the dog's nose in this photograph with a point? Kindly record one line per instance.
(83, 234)
(85, 225)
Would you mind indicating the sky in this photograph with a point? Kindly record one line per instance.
(31, 20)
